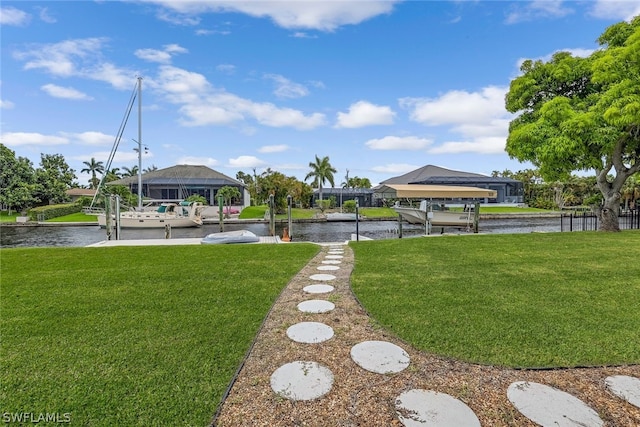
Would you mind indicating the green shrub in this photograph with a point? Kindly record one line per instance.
(349, 206)
(43, 213)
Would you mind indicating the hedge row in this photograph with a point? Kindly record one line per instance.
(43, 213)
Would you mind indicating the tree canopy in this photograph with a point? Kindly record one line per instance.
(582, 114)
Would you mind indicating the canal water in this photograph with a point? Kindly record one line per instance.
(318, 232)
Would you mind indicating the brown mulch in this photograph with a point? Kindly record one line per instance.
(362, 398)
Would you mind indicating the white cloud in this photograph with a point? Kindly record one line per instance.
(13, 16)
(616, 9)
(65, 92)
(245, 162)
(91, 138)
(160, 56)
(6, 105)
(202, 105)
(537, 9)
(59, 58)
(192, 160)
(226, 68)
(480, 118)
(15, 139)
(398, 143)
(45, 17)
(273, 148)
(458, 107)
(323, 16)
(285, 88)
(395, 168)
(121, 157)
(364, 113)
(75, 58)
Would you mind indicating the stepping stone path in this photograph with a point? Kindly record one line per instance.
(310, 332)
(380, 357)
(318, 289)
(328, 267)
(316, 306)
(549, 406)
(309, 380)
(430, 408)
(625, 387)
(302, 380)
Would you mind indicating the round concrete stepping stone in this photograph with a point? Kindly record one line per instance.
(310, 332)
(302, 380)
(380, 357)
(316, 306)
(334, 257)
(418, 408)
(322, 277)
(318, 289)
(625, 387)
(328, 267)
(549, 406)
(332, 261)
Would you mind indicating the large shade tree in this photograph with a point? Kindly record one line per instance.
(17, 181)
(53, 178)
(582, 114)
(321, 172)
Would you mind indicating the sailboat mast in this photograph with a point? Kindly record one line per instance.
(139, 143)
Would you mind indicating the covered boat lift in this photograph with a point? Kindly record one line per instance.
(437, 192)
(440, 192)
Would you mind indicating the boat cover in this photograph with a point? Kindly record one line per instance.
(239, 236)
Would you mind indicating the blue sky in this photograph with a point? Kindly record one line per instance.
(381, 87)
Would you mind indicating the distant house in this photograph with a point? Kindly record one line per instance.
(181, 181)
(75, 193)
(364, 196)
(508, 190)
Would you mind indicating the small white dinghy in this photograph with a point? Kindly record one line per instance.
(239, 236)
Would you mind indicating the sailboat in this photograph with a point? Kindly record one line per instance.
(174, 214)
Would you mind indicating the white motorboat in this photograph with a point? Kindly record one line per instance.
(176, 215)
(225, 237)
(440, 218)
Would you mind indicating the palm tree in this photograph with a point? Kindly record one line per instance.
(150, 169)
(93, 168)
(113, 175)
(129, 172)
(321, 171)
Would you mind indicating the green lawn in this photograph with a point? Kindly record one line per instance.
(133, 335)
(76, 217)
(521, 300)
(5, 217)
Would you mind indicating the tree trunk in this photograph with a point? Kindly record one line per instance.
(608, 215)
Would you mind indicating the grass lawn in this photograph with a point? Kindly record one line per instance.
(5, 217)
(133, 335)
(76, 217)
(520, 300)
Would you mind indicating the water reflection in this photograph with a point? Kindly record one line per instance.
(308, 232)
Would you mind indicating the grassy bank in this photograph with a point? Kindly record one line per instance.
(75, 217)
(522, 300)
(133, 335)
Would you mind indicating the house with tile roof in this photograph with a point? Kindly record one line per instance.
(181, 181)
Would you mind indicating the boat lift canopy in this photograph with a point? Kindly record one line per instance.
(417, 191)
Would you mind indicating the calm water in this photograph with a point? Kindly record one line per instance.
(309, 232)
